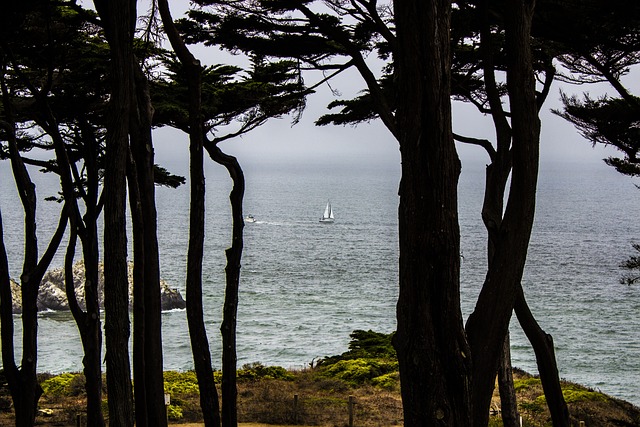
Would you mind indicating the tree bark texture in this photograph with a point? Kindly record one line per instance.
(488, 324)
(119, 18)
(209, 402)
(433, 354)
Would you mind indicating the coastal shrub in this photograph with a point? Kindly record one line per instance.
(387, 381)
(573, 393)
(526, 383)
(365, 345)
(66, 384)
(359, 371)
(256, 371)
(180, 382)
(534, 407)
(174, 413)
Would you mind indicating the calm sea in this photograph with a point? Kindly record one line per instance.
(305, 286)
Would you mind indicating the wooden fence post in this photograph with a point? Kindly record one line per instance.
(350, 406)
(295, 409)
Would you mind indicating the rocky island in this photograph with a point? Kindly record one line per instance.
(52, 295)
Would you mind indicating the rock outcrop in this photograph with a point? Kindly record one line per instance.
(52, 295)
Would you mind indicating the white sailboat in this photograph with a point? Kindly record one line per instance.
(327, 216)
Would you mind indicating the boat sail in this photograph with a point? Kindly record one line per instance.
(327, 216)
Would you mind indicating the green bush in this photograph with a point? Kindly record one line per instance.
(256, 371)
(180, 382)
(526, 383)
(574, 393)
(174, 413)
(387, 381)
(365, 345)
(359, 371)
(61, 385)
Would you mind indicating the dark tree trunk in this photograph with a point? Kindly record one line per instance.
(433, 354)
(542, 344)
(488, 324)
(25, 390)
(139, 367)
(143, 156)
(91, 254)
(24, 396)
(89, 322)
(119, 17)
(195, 314)
(509, 405)
(209, 401)
(230, 309)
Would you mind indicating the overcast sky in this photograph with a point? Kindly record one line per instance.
(278, 141)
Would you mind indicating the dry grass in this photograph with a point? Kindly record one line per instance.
(324, 402)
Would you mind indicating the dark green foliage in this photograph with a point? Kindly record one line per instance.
(229, 93)
(633, 263)
(366, 345)
(371, 359)
(608, 121)
(257, 371)
(356, 372)
(67, 384)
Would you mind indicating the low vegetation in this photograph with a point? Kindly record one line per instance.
(364, 380)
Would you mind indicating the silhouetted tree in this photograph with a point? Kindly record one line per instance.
(196, 100)
(608, 48)
(118, 19)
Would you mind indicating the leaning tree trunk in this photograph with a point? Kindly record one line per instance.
(119, 18)
(542, 344)
(209, 402)
(230, 309)
(488, 324)
(89, 322)
(433, 354)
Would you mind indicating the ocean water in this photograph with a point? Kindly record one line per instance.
(305, 286)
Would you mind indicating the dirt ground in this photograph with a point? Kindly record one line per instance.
(239, 424)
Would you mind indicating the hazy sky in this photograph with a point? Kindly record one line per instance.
(278, 141)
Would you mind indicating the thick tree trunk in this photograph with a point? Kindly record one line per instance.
(433, 354)
(143, 155)
(119, 18)
(542, 344)
(488, 324)
(209, 402)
